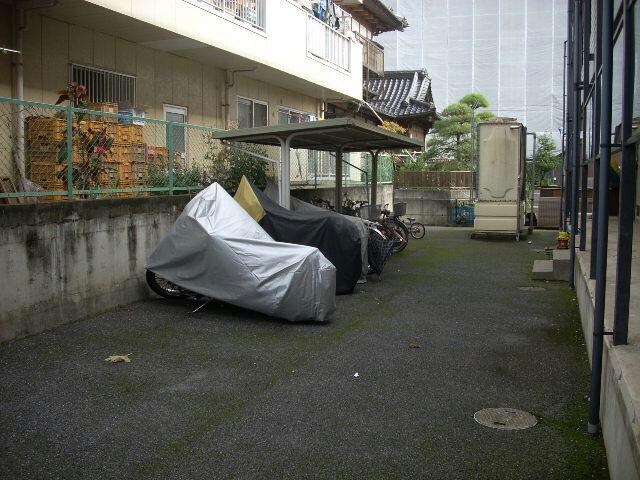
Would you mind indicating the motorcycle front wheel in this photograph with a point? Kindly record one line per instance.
(164, 287)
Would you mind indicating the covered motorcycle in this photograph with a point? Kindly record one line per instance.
(216, 249)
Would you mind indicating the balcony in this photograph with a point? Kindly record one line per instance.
(251, 12)
(328, 45)
(372, 55)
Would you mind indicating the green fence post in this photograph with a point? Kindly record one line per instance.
(70, 151)
(171, 147)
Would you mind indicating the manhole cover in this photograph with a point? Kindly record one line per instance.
(531, 289)
(505, 418)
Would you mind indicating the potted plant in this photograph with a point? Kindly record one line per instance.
(562, 240)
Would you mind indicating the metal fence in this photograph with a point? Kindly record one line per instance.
(427, 179)
(58, 152)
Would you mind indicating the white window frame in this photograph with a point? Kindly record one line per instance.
(116, 83)
(178, 110)
(312, 116)
(253, 113)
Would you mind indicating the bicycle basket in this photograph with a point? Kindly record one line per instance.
(399, 209)
(370, 212)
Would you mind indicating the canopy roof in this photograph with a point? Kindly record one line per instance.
(347, 134)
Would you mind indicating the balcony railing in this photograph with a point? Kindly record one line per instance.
(248, 11)
(326, 43)
(372, 55)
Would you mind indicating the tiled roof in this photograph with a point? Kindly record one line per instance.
(405, 93)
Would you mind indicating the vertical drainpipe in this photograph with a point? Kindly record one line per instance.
(575, 134)
(18, 82)
(627, 188)
(603, 217)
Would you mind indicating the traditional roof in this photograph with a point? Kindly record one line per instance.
(374, 14)
(402, 94)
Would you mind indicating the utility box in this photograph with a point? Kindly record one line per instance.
(501, 178)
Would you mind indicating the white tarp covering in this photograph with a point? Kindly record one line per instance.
(512, 51)
(217, 250)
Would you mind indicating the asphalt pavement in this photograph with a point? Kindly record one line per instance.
(386, 390)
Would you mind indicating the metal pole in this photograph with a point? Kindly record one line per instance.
(603, 217)
(586, 28)
(338, 194)
(533, 180)
(69, 146)
(171, 147)
(575, 133)
(627, 188)
(563, 136)
(596, 140)
(374, 176)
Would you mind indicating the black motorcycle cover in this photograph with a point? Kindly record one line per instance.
(334, 235)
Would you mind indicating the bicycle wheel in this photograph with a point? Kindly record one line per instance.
(417, 230)
(403, 226)
(400, 237)
(164, 287)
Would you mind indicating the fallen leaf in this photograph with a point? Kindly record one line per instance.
(356, 374)
(414, 345)
(119, 358)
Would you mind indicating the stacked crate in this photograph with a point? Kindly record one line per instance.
(130, 153)
(45, 144)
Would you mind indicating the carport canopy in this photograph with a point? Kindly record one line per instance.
(338, 135)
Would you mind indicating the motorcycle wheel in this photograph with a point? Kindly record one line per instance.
(164, 287)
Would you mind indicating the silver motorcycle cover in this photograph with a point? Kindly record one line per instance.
(217, 250)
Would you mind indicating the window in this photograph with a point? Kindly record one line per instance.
(287, 115)
(106, 86)
(252, 113)
(173, 113)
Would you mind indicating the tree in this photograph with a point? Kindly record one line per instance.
(453, 142)
(546, 158)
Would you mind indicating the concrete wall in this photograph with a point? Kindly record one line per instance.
(617, 413)
(68, 260)
(431, 206)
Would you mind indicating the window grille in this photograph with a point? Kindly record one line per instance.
(105, 86)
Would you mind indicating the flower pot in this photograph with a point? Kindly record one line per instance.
(562, 243)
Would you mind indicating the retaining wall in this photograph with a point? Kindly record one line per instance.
(68, 260)
(431, 206)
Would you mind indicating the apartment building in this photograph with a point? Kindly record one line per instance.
(209, 62)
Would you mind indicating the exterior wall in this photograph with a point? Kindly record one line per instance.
(70, 260)
(161, 77)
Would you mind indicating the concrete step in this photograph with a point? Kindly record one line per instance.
(543, 270)
(561, 264)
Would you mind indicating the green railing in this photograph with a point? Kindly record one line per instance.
(58, 152)
(61, 152)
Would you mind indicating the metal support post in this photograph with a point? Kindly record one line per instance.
(596, 141)
(627, 188)
(70, 149)
(284, 184)
(603, 216)
(575, 134)
(338, 194)
(172, 154)
(374, 176)
(533, 180)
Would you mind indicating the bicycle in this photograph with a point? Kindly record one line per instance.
(394, 229)
(416, 229)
